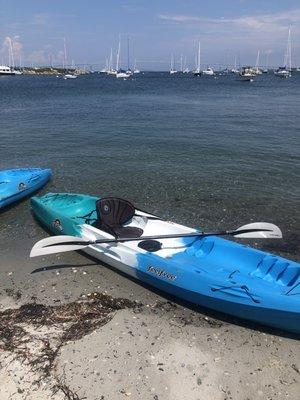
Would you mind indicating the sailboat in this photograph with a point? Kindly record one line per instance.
(246, 74)
(197, 71)
(172, 69)
(286, 71)
(208, 71)
(235, 69)
(67, 75)
(181, 64)
(120, 73)
(266, 69)
(257, 70)
(110, 70)
(185, 68)
(135, 69)
(129, 70)
(6, 69)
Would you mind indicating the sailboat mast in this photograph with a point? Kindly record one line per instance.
(128, 62)
(110, 65)
(289, 50)
(11, 53)
(118, 56)
(257, 59)
(65, 53)
(198, 61)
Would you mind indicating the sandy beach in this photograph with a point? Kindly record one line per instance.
(71, 328)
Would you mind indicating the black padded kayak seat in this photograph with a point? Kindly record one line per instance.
(112, 213)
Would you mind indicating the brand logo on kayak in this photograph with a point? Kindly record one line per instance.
(22, 186)
(161, 273)
(56, 223)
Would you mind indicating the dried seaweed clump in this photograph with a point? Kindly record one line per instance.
(35, 333)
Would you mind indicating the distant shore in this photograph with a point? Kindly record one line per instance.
(50, 71)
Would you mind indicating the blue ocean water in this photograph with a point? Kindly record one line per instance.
(208, 152)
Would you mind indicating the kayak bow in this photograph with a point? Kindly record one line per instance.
(16, 184)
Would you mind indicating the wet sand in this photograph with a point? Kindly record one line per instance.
(150, 348)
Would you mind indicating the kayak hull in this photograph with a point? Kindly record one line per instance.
(16, 184)
(279, 319)
(210, 272)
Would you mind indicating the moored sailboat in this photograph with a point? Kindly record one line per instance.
(257, 70)
(246, 74)
(120, 73)
(135, 69)
(286, 70)
(208, 71)
(197, 71)
(172, 69)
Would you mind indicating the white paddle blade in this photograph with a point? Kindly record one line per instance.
(52, 245)
(273, 232)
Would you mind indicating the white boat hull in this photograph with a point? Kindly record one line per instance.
(70, 76)
(283, 74)
(122, 75)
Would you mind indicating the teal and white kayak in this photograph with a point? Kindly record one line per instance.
(16, 184)
(207, 271)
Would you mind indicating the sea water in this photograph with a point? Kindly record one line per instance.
(209, 152)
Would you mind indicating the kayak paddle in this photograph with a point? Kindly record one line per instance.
(64, 243)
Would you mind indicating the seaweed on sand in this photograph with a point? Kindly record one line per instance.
(35, 333)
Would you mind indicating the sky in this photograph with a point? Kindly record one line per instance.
(157, 29)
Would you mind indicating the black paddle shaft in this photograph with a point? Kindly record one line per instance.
(173, 236)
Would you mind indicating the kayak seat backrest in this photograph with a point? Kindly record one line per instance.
(273, 269)
(112, 213)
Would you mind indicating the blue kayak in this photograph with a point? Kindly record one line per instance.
(209, 271)
(18, 183)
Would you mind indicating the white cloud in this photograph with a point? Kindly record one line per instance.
(264, 22)
(243, 34)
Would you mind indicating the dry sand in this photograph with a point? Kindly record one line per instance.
(159, 350)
